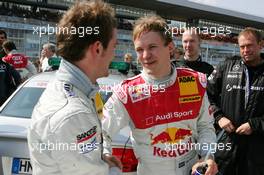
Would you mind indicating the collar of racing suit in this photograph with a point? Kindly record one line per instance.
(164, 82)
(71, 74)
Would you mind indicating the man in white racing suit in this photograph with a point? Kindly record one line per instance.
(166, 108)
(65, 134)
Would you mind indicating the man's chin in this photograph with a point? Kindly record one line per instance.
(106, 74)
(247, 59)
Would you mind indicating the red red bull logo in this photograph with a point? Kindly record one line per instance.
(173, 150)
(171, 135)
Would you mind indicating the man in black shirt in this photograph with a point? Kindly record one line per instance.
(192, 59)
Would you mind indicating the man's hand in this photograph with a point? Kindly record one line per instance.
(244, 129)
(212, 167)
(226, 124)
(112, 161)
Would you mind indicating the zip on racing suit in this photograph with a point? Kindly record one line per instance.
(65, 133)
(166, 117)
(236, 92)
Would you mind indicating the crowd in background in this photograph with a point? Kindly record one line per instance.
(32, 12)
(17, 67)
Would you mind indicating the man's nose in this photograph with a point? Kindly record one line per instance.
(146, 54)
(188, 44)
(246, 49)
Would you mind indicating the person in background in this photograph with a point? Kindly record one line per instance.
(36, 62)
(48, 51)
(159, 107)
(66, 112)
(236, 94)
(3, 38)
(9, 80)
(19, 61)
(128, 59)
(192, 59)
(178, 54)
(177, 57)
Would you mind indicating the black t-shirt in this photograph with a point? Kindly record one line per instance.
(200, 66)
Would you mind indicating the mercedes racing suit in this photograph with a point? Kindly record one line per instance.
(65, 133)
(236, 91)
(166, 118)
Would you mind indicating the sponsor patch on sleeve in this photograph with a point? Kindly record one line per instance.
(86, 135)
(120, 93)
(87, 141)
(187, 85)
(139, 92)
(202, 79)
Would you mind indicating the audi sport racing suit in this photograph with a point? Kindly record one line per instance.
(166, 118)
(65, 133)
(21, 63)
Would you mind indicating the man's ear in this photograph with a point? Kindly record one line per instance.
(97, 48)
(261, 44)
(171, 46)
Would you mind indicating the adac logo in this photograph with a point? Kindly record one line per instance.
(170, 135)
(186, 79)
(187, 85)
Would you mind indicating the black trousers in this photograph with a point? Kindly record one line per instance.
(242, 165)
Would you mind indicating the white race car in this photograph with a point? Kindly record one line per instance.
(15, 117)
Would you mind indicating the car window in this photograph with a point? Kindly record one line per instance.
(22, 104)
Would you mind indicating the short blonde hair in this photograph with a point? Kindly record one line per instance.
(127, 56)
(152, 23)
